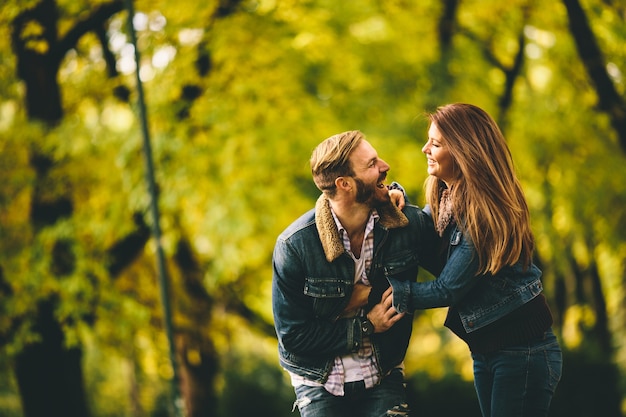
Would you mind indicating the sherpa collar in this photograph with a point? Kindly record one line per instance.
(390, 218)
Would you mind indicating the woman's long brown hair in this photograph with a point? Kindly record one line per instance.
(488, 201)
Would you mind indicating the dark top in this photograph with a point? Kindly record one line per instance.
(528, 322)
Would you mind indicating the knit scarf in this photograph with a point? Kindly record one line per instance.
(444, 218)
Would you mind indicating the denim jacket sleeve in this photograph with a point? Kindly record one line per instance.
(457, 278)
(298, 328)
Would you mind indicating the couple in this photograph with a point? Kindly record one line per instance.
(344, 285)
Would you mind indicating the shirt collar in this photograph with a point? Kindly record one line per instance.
(368, 228)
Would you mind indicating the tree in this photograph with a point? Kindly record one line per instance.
(609, 100)
(238, 94)
(48, 373)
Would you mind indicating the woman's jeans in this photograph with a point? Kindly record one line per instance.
(357, 401)
(518, 381)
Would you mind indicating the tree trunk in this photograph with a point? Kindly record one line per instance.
(609, 99)
(48, 374)
(37, 60)
(439, 71)
(199, 363)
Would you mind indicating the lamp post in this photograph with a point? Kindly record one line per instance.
(177, 403)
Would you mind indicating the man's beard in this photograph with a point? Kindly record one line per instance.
(366, 194)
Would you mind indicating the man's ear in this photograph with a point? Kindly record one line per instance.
(343, 183)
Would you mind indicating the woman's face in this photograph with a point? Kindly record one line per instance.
(440, 162)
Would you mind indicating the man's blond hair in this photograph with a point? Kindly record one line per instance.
(331, 159)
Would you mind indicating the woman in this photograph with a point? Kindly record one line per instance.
(489, 280)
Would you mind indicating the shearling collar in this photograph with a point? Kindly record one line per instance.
(390, 218)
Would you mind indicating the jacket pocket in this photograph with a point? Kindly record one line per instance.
(328, 294)
(401, 263)
(324, 287)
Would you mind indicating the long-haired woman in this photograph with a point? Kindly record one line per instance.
(488, 281)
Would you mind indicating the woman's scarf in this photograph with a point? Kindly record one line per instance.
(444, 218)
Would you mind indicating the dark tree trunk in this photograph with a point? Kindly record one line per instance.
(447, 23)
(589, 292)
(49, 374)
(38, 62)
(39, 55)
(601, 328)
(442, 80)
(609, 99)
(199, 362)
(511, 74)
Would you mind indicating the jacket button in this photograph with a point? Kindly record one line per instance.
(470, 324)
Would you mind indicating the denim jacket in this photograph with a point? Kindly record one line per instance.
(480, 300)
(313, 280)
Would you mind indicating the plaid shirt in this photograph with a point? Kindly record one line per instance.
(363, 361)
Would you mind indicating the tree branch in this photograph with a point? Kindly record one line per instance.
(108, 56)
(123, 252)
(92, 23)
(445, 28)
(609, 99)
(234, 304)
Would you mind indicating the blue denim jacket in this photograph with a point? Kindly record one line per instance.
(313, 280)
(481, 299)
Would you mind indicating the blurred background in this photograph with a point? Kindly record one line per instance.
(238, 92)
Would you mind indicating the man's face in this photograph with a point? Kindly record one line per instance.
(370, 173)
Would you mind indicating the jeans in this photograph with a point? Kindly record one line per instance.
(518, 381)
(357, 401)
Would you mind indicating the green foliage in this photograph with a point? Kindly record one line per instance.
(255, 388)
(236, 102)
(585, 378)
(449, 396)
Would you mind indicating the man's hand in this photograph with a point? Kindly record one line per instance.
(357, 300)
(383, 316)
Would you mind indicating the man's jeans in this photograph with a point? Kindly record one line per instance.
(518, 381)
(357, 401)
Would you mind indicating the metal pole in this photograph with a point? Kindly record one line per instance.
(177, 403)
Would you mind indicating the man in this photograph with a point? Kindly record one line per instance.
(339, 337)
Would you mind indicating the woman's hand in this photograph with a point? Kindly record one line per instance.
(397, 198)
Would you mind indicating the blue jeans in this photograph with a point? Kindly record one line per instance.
(518, 381)
(357, 401)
